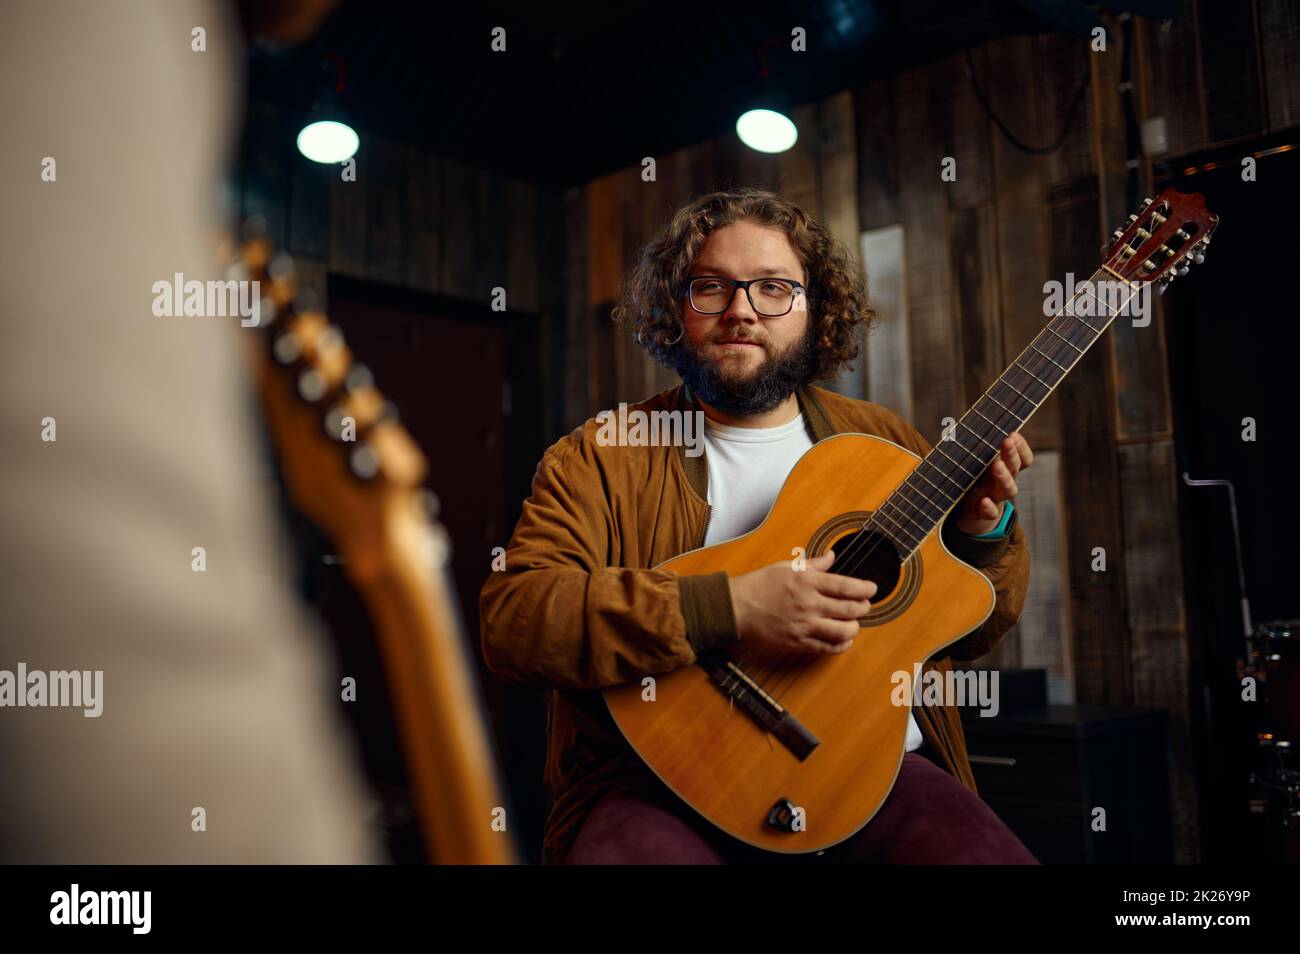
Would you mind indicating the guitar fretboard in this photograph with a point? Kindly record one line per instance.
(967, 448)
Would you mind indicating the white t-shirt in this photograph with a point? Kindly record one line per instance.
(747, 468)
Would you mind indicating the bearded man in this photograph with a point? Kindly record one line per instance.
(750, 301)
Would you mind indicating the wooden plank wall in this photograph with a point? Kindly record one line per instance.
(411, 219)
(956, 271)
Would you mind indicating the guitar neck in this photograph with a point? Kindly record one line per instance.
(968, 447)
(433, 686)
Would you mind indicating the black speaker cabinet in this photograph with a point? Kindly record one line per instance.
(1077, 784)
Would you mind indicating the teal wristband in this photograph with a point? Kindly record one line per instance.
(1000, 531)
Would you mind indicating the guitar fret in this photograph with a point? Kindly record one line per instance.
(1034, 376)
(977, 436)
(1079, 318)
(1020, 392)
(939, 448)
(1065, 339)
(994, 423)
(1099, 302)
(1064, 370)
(904, 510)
(1003, 406)
(950, 477)
(906, 516)
(916, 490)
(918, 473)
(881, 513)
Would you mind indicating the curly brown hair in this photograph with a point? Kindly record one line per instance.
(650, 299)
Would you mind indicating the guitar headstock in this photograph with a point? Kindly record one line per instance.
(1163, 240)
(349, 465)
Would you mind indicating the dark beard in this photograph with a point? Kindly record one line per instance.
(774, 381)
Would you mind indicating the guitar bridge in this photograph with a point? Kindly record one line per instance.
(771, 717)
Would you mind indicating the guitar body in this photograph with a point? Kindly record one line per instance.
(718, 758)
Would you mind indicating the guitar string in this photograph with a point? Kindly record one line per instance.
(858, 558)
(852, 558)
(1016, 380)
(872, 534)
(1065, 313)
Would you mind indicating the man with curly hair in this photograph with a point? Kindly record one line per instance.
(749, 300)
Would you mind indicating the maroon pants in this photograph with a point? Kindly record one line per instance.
(929, 818)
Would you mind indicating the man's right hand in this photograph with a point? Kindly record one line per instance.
(786, 610)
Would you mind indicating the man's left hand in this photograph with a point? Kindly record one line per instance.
(980, 510)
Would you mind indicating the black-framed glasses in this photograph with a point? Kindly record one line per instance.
(774, 297)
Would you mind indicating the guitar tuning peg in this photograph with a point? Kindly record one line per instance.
(363, 462)
(1132, 219)
(330, 339)
(334, 422)
(265, 311)
(1162, 285)
(280, 267)
(1116, 235)
(311, 385)
(1183, 269)
(1146, 202)
(1198, 257)
(286, 348)
(358, 378)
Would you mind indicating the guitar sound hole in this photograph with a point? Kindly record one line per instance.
(868, 557)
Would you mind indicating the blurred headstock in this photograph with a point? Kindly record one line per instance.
(353, 470)
(348, 463)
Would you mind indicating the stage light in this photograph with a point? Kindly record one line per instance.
(766, 130)
(328, 141)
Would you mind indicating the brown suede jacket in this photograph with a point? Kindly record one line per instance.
(578, 606)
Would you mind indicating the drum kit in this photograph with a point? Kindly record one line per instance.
(1270, 680)
(1273, 663)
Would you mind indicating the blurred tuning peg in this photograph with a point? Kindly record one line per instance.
(265, 311)
(334, 422)
(1198, 257)
(1183, 269)
(363, 462)
(280, 267)
(1116, 235)
(1146, 202)
(330, 339)
(286, 348)
(311, 385)
(358, 379)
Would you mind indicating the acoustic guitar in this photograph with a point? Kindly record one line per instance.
(353, 470)
(796, 754)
